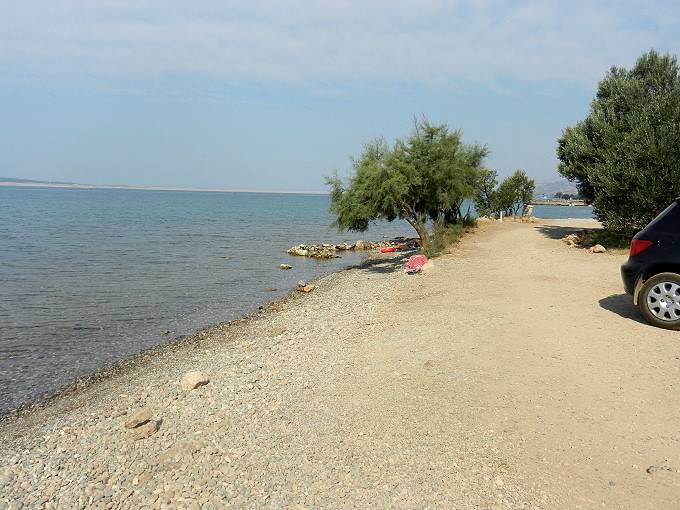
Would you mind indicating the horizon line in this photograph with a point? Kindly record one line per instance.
(36, 184)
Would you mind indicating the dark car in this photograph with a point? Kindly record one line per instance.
(652, 272)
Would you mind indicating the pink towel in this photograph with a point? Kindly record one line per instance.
(416, 263)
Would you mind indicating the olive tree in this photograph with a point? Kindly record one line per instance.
(624, 155)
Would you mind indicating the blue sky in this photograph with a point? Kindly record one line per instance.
(273, 95)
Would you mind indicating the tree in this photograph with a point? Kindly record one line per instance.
(509, 197)
(486, 200)
(515, 192)
(624, 156)
(425, 177)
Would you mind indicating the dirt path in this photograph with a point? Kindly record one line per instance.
(536, 341)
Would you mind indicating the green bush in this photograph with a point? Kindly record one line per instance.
(445, 236)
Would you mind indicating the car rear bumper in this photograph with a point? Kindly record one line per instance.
(630, 273)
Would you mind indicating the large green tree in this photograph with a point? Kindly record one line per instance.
(424, 177)
(625, 155)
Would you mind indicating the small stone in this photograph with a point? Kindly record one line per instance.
(139, 418)
(302, 283)
(193, 380)
(285, 266)
(653, 469)
(142, 431)
(598, 248)
(307, 288)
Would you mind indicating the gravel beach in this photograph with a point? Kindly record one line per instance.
(511, 373)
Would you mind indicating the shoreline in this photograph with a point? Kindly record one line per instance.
(136, 361)
(65, 398)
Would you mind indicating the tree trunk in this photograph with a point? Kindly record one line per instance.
(419, 226)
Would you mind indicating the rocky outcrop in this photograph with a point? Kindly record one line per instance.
(317, 251)
(327, 251)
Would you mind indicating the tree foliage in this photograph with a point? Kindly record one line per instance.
(424, 177)
(509, 197)
(624, 156)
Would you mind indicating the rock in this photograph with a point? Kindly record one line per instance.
(598, 248)
(142, 431)
(654, 469)
(303, 286)
(359, 245)
(427, 267)
(139, 418)
(285, 266)
(193, 380)
(318, 251)
(180, 452)
(571, 239)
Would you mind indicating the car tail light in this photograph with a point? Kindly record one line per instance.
(638, 245)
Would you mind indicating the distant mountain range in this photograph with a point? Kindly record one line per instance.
(548, 189)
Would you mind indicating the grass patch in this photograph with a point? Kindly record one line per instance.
(446, 236)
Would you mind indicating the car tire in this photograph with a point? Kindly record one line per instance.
(659, 300)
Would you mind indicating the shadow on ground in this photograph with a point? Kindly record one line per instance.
(622, 305)
(558, 232)
(386, 265)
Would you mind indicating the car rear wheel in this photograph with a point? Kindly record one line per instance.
(660, 300)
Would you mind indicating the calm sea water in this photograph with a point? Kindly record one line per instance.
(91, 276)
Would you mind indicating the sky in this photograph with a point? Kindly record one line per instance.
(275, 95)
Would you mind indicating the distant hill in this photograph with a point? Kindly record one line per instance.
(548, 189)
(30, 181)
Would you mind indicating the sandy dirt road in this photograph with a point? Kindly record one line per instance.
(536, 343)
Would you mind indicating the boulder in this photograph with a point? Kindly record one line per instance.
(139, 418)
(193, 380)
(285, 266)
(359, 245)
(598, 248)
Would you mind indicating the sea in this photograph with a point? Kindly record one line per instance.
(90, 276)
